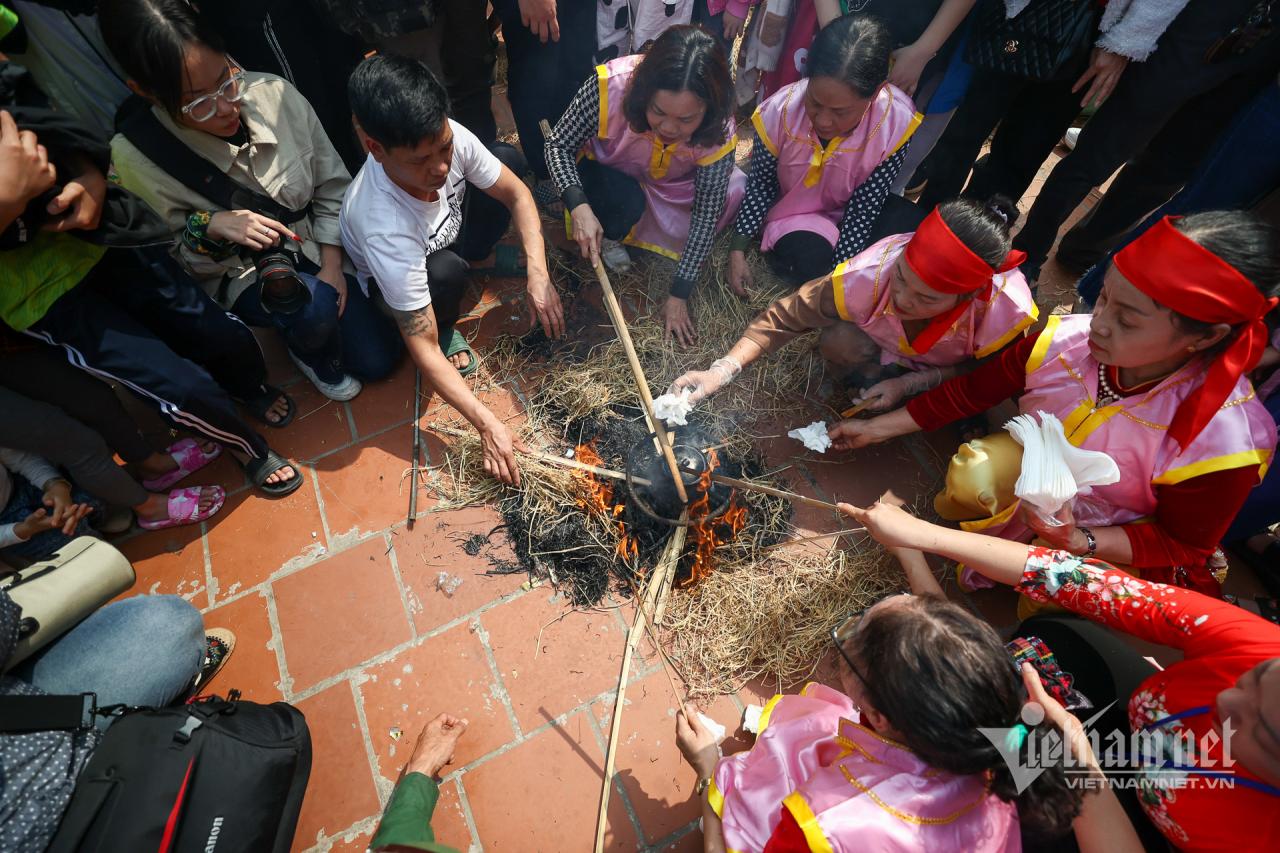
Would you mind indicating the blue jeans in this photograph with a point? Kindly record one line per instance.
(1242, 167)
(26, 499)
(143, 650)
(362, 342)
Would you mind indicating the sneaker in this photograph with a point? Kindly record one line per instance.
(1070, 137)
(344, 389)
(615, 256)
(219, 644)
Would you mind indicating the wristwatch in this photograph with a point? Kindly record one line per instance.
(1091, 542)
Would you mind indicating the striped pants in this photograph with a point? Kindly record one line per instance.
(137, 320)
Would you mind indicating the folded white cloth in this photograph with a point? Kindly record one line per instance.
(814, 436)
(1053, 469)
(673, 408)
(751, 719)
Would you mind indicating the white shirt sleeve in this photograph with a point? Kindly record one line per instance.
(479, 166)
(33, 468)
(398, 264)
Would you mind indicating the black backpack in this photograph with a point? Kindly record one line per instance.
(217, 775)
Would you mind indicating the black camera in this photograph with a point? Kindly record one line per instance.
(282, 290)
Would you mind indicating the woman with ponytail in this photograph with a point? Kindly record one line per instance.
(1156, 378)
(916, 306)
(897, 761)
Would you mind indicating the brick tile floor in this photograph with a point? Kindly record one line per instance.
(339, 610)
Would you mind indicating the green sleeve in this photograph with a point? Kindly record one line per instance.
(406, 822)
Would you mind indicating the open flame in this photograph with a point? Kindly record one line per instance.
(597, 497)
(705, 535)
(708, 534)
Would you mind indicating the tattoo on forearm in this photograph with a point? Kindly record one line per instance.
(417, 322)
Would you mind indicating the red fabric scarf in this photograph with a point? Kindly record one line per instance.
(1185, 277)
(947, 265)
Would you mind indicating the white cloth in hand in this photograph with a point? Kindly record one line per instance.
(1053, 469)
(674, 408)
(814, 436)
(712, 726)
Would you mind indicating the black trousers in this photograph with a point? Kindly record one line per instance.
(543, 78)
(1158, 171)
(136, 320)
(1148, 95)
(1028, 117)
(616, 198)
(800, 256)
(287, 38)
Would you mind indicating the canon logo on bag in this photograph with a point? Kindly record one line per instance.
(213, 835)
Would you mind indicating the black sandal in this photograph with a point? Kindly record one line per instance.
(260, 469)
(261, 403)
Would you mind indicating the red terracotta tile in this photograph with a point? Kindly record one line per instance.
(168, 562)
(254, 536)
(448, 822)
(658, 781)
(320, 426)
(225, 471)
(252, 668)
(564, 765)
(339, 612)
(385, 403)
(445, 674)
(690, 842)
(552, 659)
(866, 474)
(361, 486)
(435, 545)
(341, 789)
(352, 841)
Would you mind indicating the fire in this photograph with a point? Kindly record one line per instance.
(708, 534)
(597, 498)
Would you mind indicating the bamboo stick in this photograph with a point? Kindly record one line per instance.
(791, 542)
(666, 564)
(675, 547)
(770, 490)
(642, 384)
(417, 447)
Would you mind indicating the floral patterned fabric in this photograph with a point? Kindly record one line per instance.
(1219, 642)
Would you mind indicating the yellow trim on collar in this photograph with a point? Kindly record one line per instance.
(1042, 344)
(757, 121)
(1084, 420)
(602, 75)
(808, 823)
(1018, 329)
(912, 127)
(730, 145)
(1227, 462)
(837, 283)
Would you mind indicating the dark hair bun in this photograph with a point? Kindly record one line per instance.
(1005, 208)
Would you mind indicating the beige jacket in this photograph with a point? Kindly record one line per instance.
(288, 157)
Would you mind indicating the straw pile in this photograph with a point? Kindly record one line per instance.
(770, 617)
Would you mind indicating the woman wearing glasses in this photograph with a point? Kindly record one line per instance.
(266, 244)
(896, 761)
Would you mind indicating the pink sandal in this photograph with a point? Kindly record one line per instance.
(190, 456)
(184, 508)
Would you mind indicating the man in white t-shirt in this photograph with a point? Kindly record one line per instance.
(402, 228)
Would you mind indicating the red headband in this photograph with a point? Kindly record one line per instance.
(1185, 277)
(947, 265)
